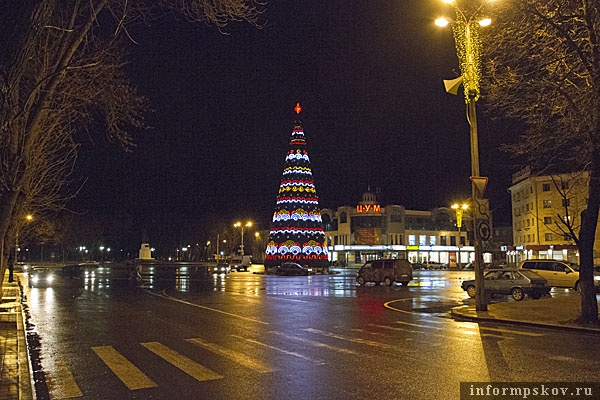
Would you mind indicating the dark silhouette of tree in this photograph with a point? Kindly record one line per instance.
(545, 72)
(61, 75)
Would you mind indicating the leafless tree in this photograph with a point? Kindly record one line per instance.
(61, 73)
(545, 72)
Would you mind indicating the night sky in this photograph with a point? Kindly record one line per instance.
(368, 75)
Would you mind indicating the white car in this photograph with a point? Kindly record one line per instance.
(558, 273)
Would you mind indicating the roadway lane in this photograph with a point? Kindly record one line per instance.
(251, 336)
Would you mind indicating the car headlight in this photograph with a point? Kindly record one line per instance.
(35, 279)
(597, 278)
(50, 278)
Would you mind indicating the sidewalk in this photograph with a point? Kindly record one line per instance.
(554, 313)
(15, 381)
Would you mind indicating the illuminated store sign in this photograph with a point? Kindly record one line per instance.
(366, 208)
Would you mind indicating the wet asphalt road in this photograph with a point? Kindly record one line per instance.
(251, 336)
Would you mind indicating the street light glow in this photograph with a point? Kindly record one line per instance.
(442, 22)
(485, 22)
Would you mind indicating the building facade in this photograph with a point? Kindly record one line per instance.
(543, 207)
(367, 231)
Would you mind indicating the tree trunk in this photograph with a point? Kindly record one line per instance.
(7, 205)
(587, 235)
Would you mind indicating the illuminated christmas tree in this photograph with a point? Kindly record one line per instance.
(297, 228)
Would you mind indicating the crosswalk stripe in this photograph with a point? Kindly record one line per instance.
(188, 366)
(128, 373)
(291, 353)
(353, 340)
(68, 388)
(233, 355)
(316, 344)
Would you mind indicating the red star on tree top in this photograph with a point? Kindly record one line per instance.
(297, 108)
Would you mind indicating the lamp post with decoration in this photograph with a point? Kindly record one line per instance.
(466, 29)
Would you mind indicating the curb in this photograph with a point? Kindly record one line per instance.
(460, 314)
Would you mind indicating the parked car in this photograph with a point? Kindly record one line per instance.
(514, 282)
(558, 273)
(292, 268)
(41, 277)
(471, 266)
(222, 267)
(434, 265)
(387, 271)
(417, 265)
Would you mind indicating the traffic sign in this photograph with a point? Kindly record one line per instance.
(480, 183)
(484, 231)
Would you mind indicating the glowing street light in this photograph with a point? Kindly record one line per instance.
(459, 209)
(240, 225)
(466, 29)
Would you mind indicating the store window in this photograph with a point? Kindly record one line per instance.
(412, 240)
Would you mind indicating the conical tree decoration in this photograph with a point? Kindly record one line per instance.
(297, 228)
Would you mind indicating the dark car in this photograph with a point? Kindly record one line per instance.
(292, 268)
(386, 271)
(41, 277)
(514, 282)
(222, 267)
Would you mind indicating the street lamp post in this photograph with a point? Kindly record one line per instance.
(459, 209)
(240, 225)
(28, 218)
(468, 48)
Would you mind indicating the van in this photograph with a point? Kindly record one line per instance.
(240, 263)
(387, 271)
(558, 273)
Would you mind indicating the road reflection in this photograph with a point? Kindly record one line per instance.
(197, 279)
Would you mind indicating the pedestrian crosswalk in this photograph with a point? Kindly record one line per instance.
(263, 353)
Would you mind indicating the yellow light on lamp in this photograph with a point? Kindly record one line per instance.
(448, 1)
(442, 22)
(29, 217)
(456, 206)
(485, 22)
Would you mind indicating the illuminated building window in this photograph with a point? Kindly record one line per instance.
(412, 240)
(422, 240)
(432, 240)
(547, 203)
